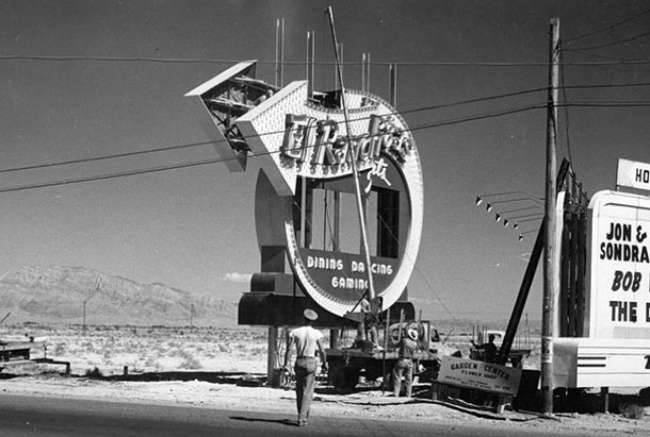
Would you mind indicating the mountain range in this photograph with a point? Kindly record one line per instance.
(77, 295)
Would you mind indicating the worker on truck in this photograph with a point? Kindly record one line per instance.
(404, 365)
(367, 326)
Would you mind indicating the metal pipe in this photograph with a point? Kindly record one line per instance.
(353, 155)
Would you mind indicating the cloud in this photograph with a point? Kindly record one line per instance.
(237, 277)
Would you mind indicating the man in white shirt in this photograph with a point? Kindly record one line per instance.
(307, 341)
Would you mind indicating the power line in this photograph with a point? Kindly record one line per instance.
(115, 175)
(616, 65)
(220, 160)
(105, 157)
(622, 104)
(162, 149)
(479, 117)
(442, 123)
(407, 111)
(632, 38)
(605, 29)
(117, 59)
(231, 61)
(303, 63)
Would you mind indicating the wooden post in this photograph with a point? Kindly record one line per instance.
(580, 294)
(573, 274)
(272, 355)
(383, 359)
(604, 394)
(549, 249)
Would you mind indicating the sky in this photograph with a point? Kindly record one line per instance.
(84, 79)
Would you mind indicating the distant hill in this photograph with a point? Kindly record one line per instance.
(56, 294)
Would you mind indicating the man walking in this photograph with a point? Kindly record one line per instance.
(307, 341)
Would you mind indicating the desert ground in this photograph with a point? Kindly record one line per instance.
(225, 367)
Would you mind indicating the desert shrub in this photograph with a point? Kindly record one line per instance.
(94, 373)
(88, 346)
(632, 411)
(173, 343)
(191, 363)
(223, 347)
(175, 352)
(151, 362)
(60, 349)
(258, 350)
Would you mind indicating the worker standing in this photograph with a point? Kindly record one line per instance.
(489, 349)
(307, 341)
(404, 366)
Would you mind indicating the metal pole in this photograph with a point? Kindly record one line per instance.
(353, 163)
(310, 64)
(279, 52)
(549, 251)
(365, 72)
(337, 77)
(392, 85)
(368, 72)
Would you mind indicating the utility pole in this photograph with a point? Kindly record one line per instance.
(550, 271)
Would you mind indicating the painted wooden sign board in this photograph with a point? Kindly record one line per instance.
(488, 377)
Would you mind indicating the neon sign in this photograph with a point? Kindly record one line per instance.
(298, 140)
(320, 143)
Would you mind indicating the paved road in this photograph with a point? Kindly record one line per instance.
(22, 416)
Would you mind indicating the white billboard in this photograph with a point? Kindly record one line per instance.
(618, 252)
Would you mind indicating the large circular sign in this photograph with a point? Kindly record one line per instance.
(303, 143)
